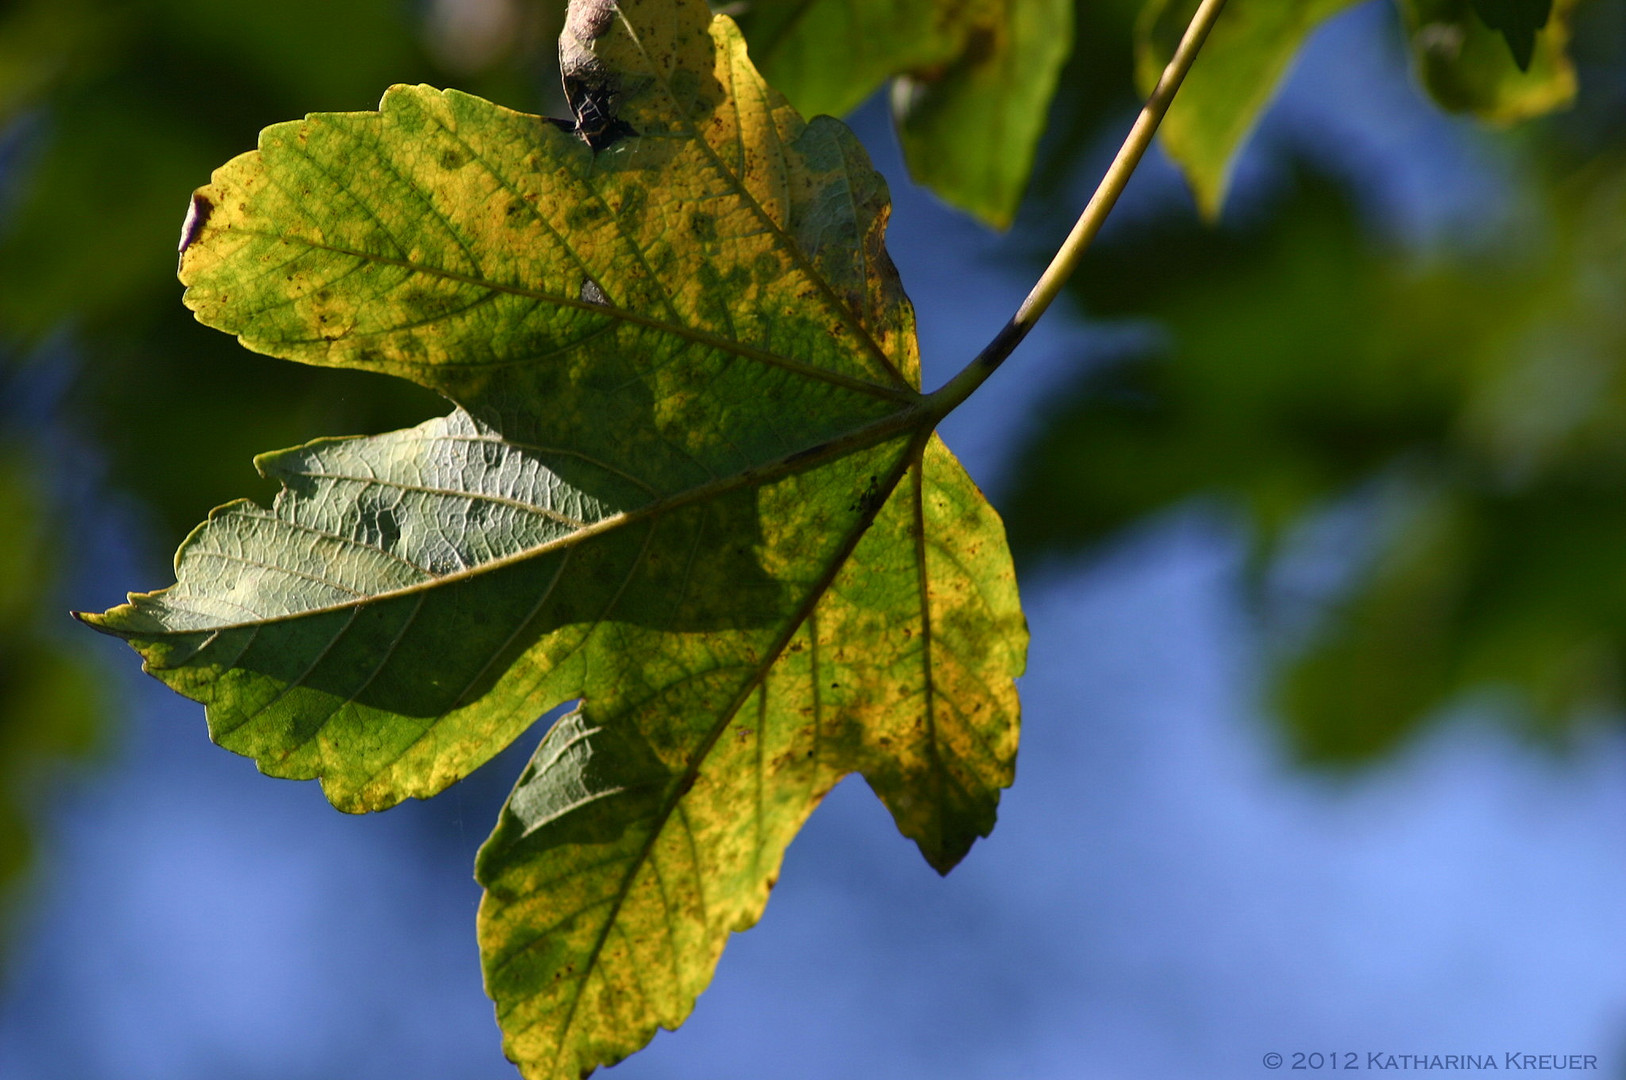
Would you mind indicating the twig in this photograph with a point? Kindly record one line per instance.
(952, 393)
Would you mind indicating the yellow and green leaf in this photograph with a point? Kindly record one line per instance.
(690, 481)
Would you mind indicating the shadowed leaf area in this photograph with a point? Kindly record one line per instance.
(1472, 404)
(1518, 21)
(689, 480)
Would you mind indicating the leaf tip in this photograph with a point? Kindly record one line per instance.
(1210, 201)
(1208, 182)
(97, 622)
(1524, 50)
(947, 850)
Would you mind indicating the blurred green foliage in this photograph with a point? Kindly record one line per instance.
(1234, 79)
(1503, 74)
(1509, 68)
(50, 705)
(1519, 21)
(1473, 400)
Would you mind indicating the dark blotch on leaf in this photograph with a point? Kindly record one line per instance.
(767, 268)
(197, 216)
(869, 500)
(383, 524)
(705, 227)
(584, 214)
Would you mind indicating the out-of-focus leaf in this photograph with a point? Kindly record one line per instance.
(325, 52)
(1465, 64)
(691, 480)
(1518, 21)
(827, 56)
(1470, 67)
(1094, 91)
(1227, 89)
(117, 153)
(970, 128)
(973, 80)
(1478, 590)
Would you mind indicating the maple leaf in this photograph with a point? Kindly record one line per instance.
(690, 480)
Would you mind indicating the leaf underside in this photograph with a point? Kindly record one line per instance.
(689, 481)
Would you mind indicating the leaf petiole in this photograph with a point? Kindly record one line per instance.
(948, 397)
